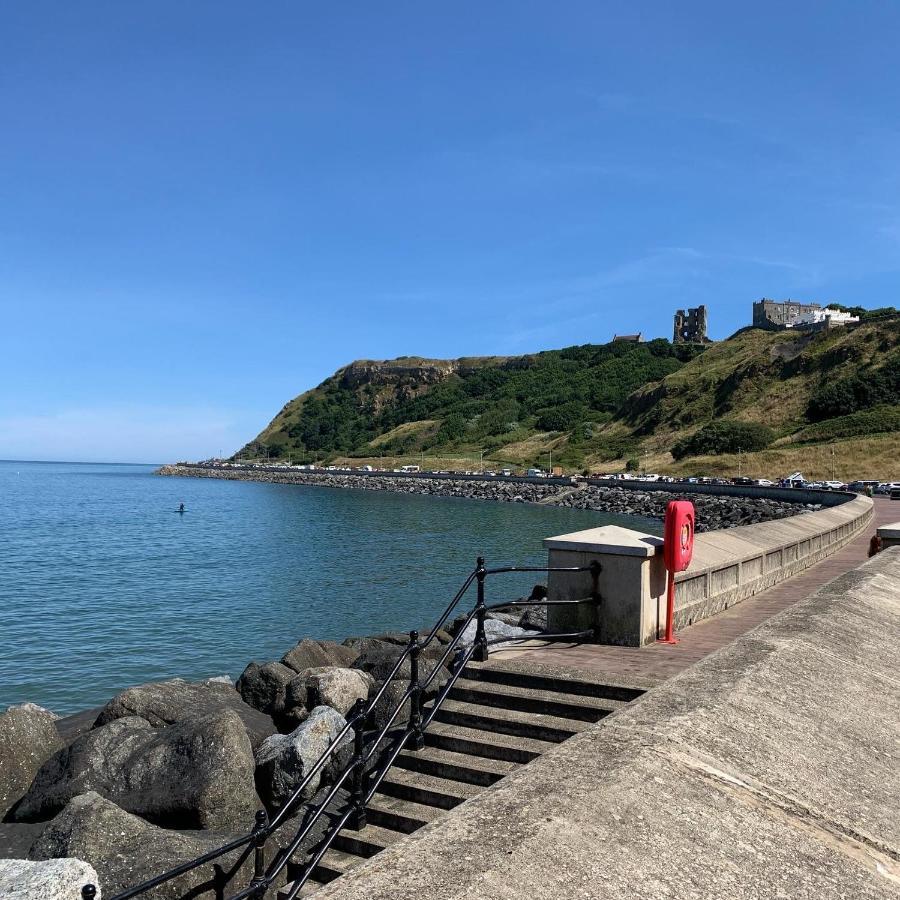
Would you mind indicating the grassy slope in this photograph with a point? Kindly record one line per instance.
(758, 376)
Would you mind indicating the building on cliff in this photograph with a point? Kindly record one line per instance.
(690, 326)
(774, 315)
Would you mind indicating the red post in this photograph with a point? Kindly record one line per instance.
(670, 613)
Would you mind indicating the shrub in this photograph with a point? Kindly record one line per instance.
(869, 421)
(724, 437)
(856, 392)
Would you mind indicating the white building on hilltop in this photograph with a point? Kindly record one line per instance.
(827, 318)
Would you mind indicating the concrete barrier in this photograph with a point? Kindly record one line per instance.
(890, 535)
(768, 770)
(728, 566)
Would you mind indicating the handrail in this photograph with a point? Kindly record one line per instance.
(412, 737)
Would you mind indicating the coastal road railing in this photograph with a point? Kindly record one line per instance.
(374, 749)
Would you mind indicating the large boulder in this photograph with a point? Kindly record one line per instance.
(381, 712)
(310, 654)
(190, 775)
(125, 850)
(494, 629)
(53, 879)
(28, 738)
(296, 704)
(167, 702)
(336, 687)
(263, 686)
(379, 662)
(284, 760)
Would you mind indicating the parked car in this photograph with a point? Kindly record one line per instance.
(834, 485)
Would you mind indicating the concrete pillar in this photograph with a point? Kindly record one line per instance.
(632, 584)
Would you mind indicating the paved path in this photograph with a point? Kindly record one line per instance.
(654, 663)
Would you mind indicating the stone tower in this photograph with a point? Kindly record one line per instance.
(690, 327)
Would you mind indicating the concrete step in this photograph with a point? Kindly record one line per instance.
(307, 890)
(509, 721)
(334, 864)
(491, 672)
(405, 816)
(481, 742)
(455, 766)
(430, 790)
(367, 841)
(553, 703)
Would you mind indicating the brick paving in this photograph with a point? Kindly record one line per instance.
(654, 663)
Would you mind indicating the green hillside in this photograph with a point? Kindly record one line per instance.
(603, 405)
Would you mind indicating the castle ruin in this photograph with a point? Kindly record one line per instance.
(690, 326)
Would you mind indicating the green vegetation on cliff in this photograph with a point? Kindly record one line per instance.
(596, 404)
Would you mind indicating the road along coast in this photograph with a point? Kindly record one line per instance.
(713, 512)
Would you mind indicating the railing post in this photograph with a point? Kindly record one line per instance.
(88, 892)
(358, 790)
(260, 836)
(416, 740)
(596, 569)
(481, 646)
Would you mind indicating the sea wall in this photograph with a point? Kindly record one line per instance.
(768, 770)
(728, 566)
(714, 511)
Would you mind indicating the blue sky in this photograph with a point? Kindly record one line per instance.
(208, 207)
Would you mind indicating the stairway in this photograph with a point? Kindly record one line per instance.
(494, 720)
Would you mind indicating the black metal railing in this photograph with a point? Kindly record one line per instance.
(373, 752)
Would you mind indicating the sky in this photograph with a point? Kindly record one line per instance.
(206, 208)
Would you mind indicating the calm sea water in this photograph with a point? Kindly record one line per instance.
(103, 584)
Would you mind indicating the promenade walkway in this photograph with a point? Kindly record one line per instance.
(653, 664)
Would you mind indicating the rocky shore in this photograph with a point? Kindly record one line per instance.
(167, 771)
(713, 512)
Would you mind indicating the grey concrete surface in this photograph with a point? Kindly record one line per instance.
(767, 770)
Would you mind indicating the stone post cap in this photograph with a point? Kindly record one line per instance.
(611, 540)
(891, 531)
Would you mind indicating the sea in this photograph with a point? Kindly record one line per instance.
(105, 584)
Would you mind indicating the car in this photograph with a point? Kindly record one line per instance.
(895, 493)
(763, 482)
(834, 485)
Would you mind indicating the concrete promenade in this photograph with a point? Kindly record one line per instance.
(767, 770)
(650, 665)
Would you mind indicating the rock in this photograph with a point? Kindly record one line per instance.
(53, 879)
(534, 617)
(16, 838)
(166, 702)
(496, 629)
(28, 738)
(125, 850)
(508, 618)
(263, 686)
(361, 645)
(296, 704)
(389, 701)
(283, 760)
(379, 663)
(193, 774)
(337, 687)
(312, 654)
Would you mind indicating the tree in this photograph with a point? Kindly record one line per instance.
(724, 437)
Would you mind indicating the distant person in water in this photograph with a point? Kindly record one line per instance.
(180, 507)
